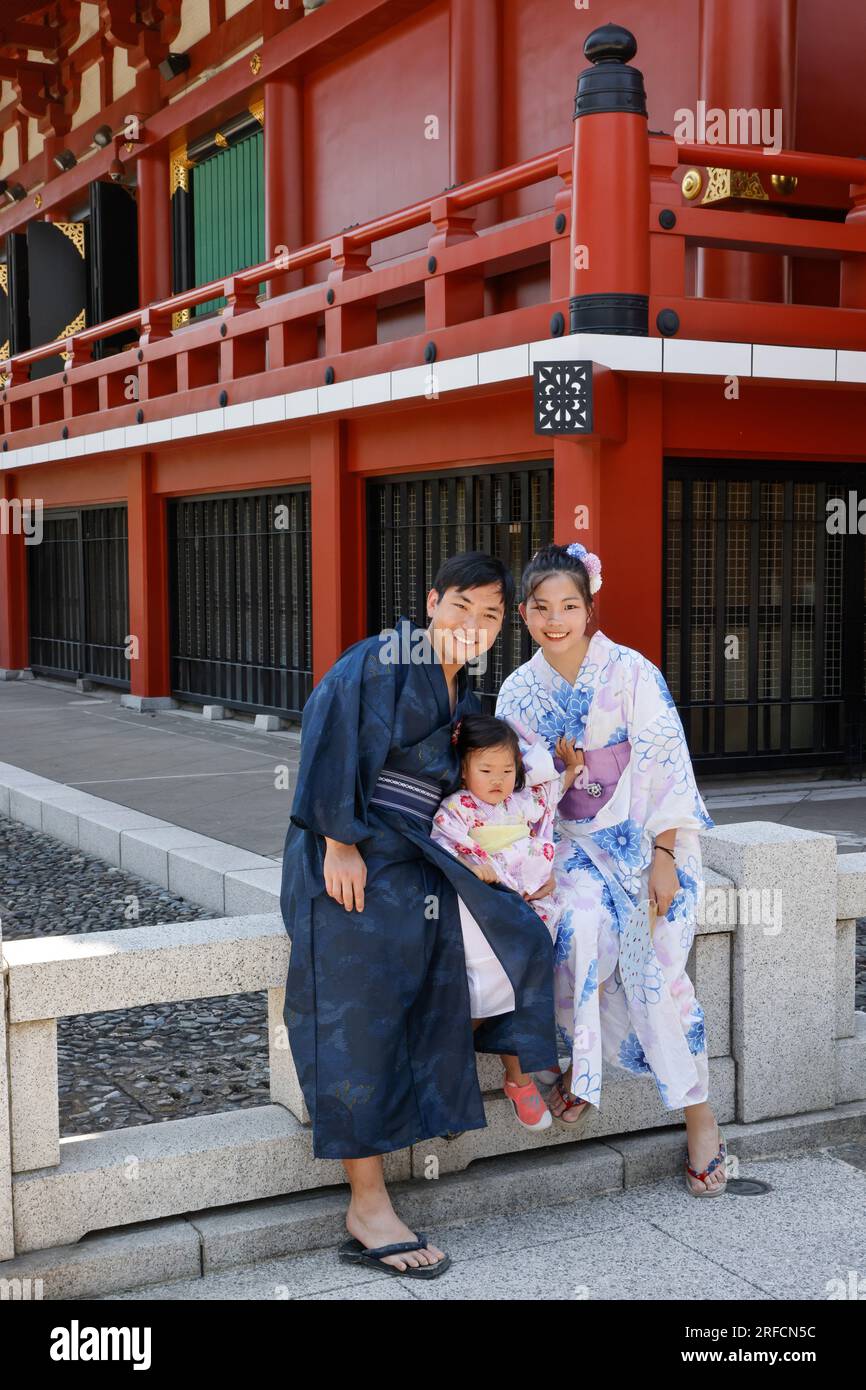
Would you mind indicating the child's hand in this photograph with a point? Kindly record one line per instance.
(543, 891)
(485, 872)
(568, 751)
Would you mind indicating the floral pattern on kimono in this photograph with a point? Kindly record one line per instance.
(655, 1027)
(526, 864)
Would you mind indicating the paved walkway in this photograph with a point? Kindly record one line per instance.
(803, 1239)
(221, 778)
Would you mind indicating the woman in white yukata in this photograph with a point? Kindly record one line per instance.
(627, 847)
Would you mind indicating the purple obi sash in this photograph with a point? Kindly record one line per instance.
(595, 783)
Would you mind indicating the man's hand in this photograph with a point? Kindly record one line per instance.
(345, 874)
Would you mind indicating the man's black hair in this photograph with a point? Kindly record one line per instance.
(479, 731)
(472, 570)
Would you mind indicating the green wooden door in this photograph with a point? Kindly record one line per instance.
(228, 212)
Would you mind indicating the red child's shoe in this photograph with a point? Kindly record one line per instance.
(529, 1108)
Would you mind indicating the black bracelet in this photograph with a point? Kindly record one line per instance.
(666, 851)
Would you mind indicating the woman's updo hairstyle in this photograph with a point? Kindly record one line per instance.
(584, 569)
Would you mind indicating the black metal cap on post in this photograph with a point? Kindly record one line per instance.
(610, 84)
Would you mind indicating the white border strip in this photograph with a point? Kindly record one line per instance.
(625, 353)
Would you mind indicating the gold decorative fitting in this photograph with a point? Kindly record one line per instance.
(4, 350)
(129, 147)
(257, 109)
(256, 63)
(4, 282)
(75, 326)
(692, 184)
(75, 232)
(733, 183)
(180, 318)
(178, 171)
(37, 200)
(783, 183)
(221, 140)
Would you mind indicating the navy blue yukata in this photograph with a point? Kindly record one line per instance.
(377, 1002)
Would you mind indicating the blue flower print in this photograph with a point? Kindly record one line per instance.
(696, 1036)
(586, 1085)
(621, 841)
(631, 1056)
(619, 735)
(564, 937)
(663, 689)
(590, 983)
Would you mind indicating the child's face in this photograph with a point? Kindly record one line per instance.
(556, 614)
(464, 623)
(490, 773)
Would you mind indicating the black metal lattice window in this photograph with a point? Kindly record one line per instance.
(416, 522)
(240, 600)
(79, 595)
(765, 613)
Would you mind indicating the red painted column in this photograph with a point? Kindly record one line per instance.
(14, 641)
(154, 225)
(337, 556)
(748, 60)
(148, 580)
(474, 116)
(610, 211)
(630, 537)
(284, 173)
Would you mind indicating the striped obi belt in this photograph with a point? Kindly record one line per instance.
(402, 791)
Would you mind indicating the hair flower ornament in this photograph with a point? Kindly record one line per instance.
(591, 563)
(455, 732)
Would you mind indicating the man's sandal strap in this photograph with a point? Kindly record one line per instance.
(400, 1248)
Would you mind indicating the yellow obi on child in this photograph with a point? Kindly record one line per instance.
(495, 837)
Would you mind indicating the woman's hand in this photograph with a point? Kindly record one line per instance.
(663, 881)
(543, 891)
(567, 750)
(485, 872)
(345, 874)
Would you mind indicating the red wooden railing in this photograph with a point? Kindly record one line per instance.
(257, 348)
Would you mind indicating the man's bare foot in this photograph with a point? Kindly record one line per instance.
(703, 1144)
(376, 1223)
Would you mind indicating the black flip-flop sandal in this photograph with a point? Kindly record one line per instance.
(352, 1252)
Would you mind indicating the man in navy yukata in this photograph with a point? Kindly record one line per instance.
(377, 999)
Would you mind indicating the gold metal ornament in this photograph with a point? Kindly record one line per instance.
(733, 183)
(179, 318)
(220, 139)
(256, 63)
(75, 326)
(691, 184)
(37, 200)
(75, 232)
(783, 183)
(257, 109)
(178, 171)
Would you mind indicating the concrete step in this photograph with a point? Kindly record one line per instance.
(202, 1242)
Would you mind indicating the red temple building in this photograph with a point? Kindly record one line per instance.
(296, 299)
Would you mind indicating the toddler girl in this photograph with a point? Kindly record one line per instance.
(501, 824)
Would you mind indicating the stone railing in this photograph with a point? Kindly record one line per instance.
(772, 962)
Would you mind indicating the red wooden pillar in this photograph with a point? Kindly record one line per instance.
(284, 173)
(337, 558)
(148, 580)
(154, 225)
(610, 211)
(475, 96)
(14, 644)
(630, 537)
(748, 61)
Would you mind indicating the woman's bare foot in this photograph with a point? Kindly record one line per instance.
(703, 1143)
(559, 1107)
(374, 1222)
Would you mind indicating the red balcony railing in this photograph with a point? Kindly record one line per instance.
(256, 348)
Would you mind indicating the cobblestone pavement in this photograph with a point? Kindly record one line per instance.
(130, 1066)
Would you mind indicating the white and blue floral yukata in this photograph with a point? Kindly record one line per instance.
(643, 1018)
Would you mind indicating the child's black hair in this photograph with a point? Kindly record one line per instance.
(472, 570)
(555, 559)
(479, 731)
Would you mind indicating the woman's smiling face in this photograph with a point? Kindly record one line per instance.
(556, 614)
